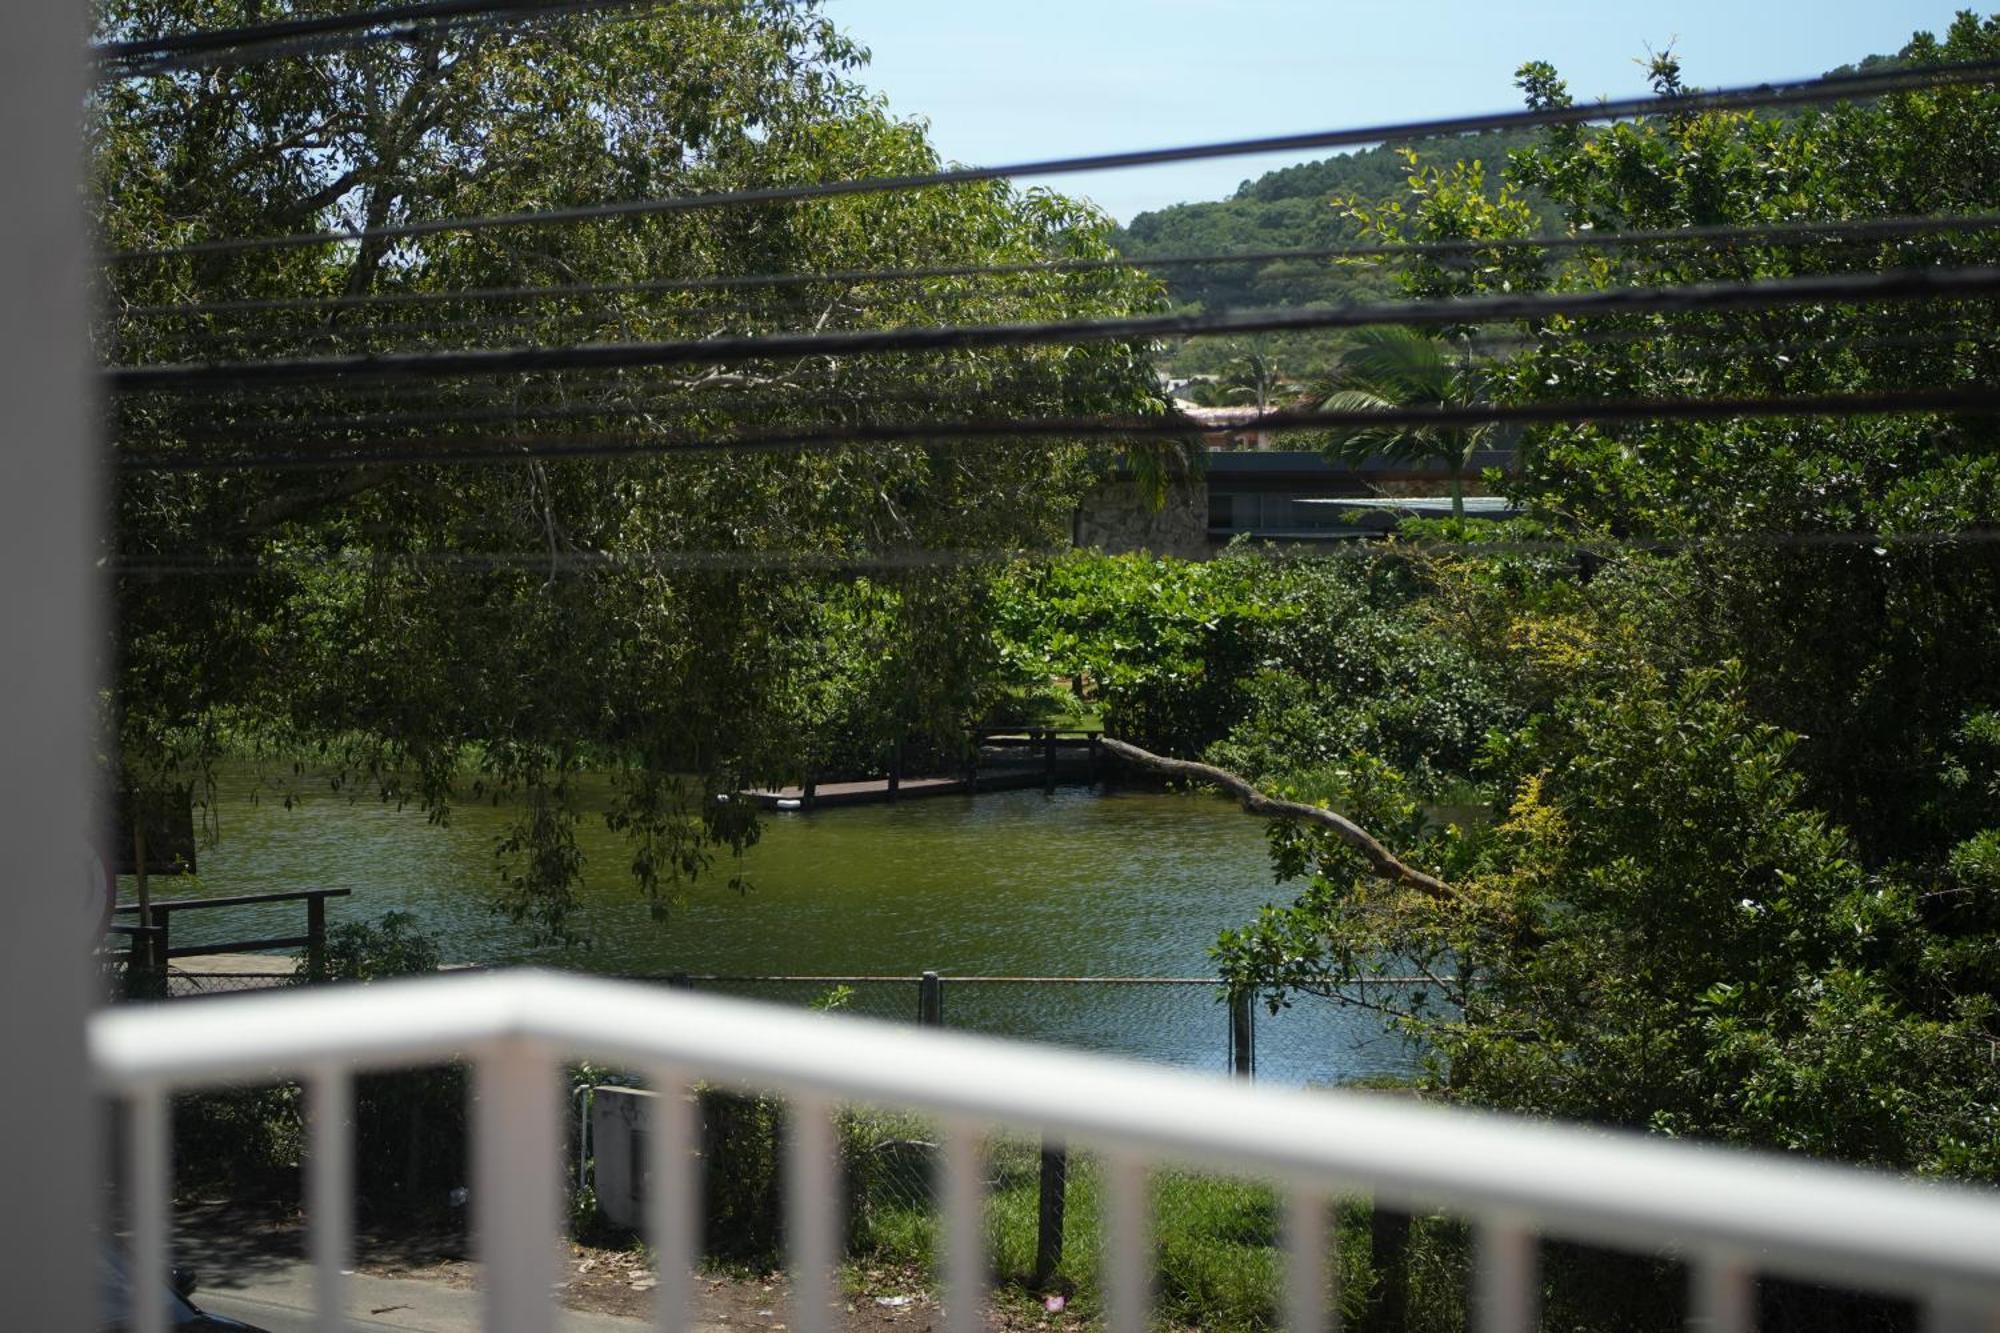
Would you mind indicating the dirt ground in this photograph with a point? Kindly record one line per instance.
(228, 1236)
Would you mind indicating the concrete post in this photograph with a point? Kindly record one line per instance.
(49, 602)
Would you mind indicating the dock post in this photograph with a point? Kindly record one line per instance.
(1242, 1034)
(1049, 762)
(930, 1001)
(1096, 756)
(809, 792)
(316, 938)
(896, 770)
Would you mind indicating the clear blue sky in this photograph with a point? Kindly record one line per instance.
(1017, 80)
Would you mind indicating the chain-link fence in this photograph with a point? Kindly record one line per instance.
(1188, 1022)
(122, 979)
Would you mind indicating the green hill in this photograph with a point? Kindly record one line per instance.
(1292, 209)
(1289, 209)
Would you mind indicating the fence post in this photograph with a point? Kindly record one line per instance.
(316, 938)
(1242, 1034)
(1388, 1308)
(1053, 1201)
(896, 770)
(930, 1001)
(157, 944)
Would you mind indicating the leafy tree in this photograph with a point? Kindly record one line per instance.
(1737, 878)
(690, 621)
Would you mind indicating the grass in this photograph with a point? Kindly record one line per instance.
(1218, 1262)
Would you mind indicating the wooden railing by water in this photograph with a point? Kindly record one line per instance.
(152, 939)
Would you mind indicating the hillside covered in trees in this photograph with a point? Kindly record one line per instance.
(1306, 207)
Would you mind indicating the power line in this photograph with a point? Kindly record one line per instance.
(201, 49)
(697, 397)
(1387, 545)
(458, 450)
(1787, 232)
(1894, 285)
(1792, 93)
(663, 561)
(816, 308)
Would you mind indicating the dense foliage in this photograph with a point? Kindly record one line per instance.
(1735, 873)
(692, 621)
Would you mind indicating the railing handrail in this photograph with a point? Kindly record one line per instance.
(913, 978)
(1803, 1219)
(241, 900)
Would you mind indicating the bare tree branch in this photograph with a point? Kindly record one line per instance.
(1379, 858)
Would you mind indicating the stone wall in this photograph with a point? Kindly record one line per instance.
(1116, 517)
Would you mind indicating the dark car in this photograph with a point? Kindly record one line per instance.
(115, 1286)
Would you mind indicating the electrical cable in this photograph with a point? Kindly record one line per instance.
(241, 45)
(1792, 93)
(1787, 233)
(726, 398)
(459, 451)
(1894, 285)
(1386, 545)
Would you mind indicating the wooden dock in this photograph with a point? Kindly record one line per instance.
(1012, 760)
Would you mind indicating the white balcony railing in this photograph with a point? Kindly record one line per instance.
(1730, 1216)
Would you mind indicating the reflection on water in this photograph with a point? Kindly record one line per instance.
(1015, 884)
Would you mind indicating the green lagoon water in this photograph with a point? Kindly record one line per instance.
(1081, 883)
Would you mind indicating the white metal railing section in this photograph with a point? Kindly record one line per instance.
(1730, 1215)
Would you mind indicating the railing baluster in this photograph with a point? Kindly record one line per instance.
(1127, 1244)
(330, 1191)
(812, 1204)
(1951, 1313)
(1311, 1302)
(1505, 1299)
(964, 1229)
(673, 1200)
(1724, 1296)
(152, 1198)
(516, 1195)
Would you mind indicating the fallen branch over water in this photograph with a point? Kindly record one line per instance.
(1383, 861)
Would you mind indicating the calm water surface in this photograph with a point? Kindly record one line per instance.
(1082, 883)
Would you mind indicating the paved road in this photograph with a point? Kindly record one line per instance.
(280, 1300)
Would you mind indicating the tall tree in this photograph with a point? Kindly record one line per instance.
(691, 621)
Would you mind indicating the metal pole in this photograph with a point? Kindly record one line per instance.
(930, 1001)
(1242, 1035)
(1054, 1206)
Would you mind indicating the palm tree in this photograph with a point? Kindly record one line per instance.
(1390, 369)
(1252, 377)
